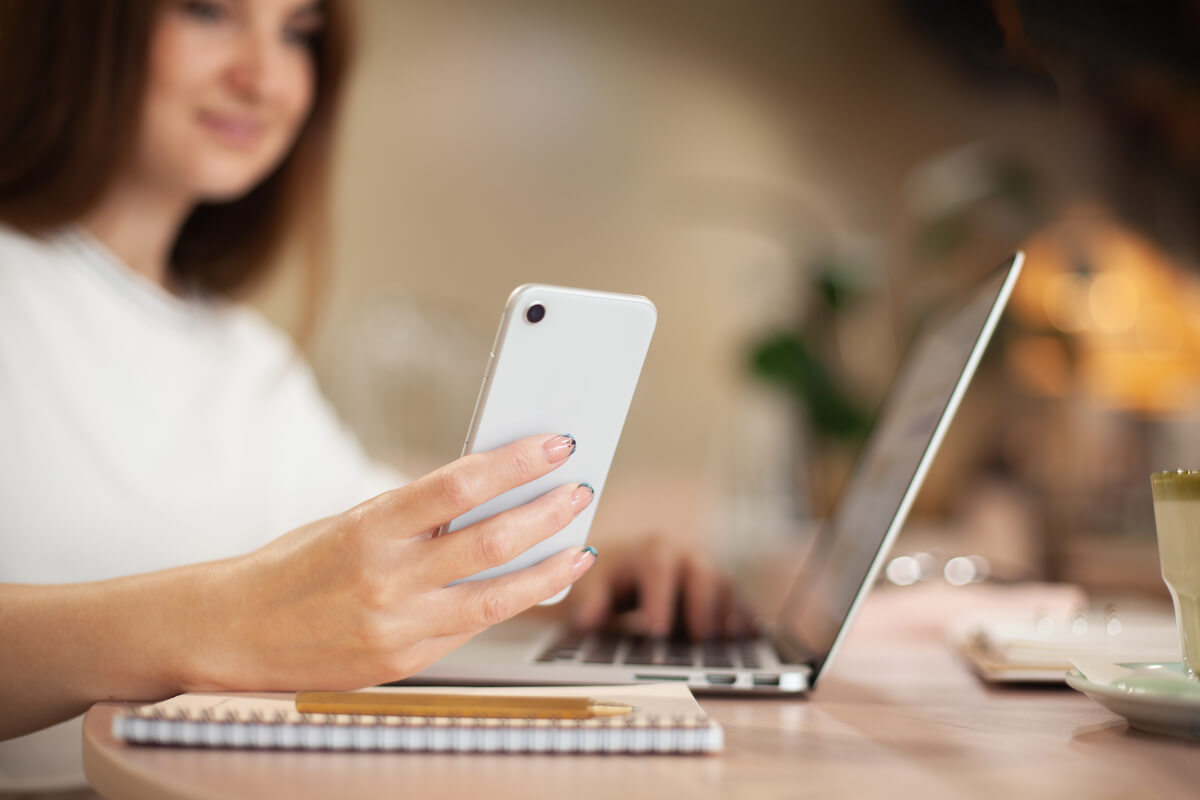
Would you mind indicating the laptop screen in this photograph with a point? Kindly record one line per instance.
(846, 557)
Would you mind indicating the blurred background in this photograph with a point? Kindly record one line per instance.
(795, 185)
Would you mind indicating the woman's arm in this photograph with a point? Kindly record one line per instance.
(68, 646)
(350, 601)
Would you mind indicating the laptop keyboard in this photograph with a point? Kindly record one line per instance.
(603, 648)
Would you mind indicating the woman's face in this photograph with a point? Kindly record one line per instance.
(229, 85)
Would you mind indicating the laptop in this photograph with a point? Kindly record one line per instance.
(829, 586)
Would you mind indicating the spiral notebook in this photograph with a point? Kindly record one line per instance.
(666, 719)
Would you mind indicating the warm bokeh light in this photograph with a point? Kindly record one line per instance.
(1127, 310)
(1113, 302)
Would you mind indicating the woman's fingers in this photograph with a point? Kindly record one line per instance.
(594, 598)
(592, 608)
(473, 606)
(674, 589)
(498, 539)
(733, 618)
(658, 582)
(701, 588)
(456, 488)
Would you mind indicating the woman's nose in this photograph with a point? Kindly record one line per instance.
(257, 66)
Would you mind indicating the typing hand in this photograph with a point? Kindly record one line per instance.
(362, 598)
(663, 587)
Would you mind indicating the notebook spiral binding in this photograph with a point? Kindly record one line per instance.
(295, 730)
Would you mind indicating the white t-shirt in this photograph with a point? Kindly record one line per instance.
(140, 431)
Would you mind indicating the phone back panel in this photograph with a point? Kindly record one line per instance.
(573, 372)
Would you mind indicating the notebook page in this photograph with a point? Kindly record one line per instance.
(654, 700)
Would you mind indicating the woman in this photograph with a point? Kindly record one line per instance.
(152, 156)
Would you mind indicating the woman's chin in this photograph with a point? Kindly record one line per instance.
(216, 192)
(229, 183)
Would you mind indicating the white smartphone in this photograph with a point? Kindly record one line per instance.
(564, 361)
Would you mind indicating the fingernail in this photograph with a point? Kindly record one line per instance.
(583, 561)
(582, 495)
(558, 448)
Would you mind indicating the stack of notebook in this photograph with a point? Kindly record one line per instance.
(1004, 649)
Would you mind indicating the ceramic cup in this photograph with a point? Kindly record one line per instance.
(1177, 518)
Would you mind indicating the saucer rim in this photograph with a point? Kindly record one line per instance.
(1078, 681)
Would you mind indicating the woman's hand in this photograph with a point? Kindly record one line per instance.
(664, 587)
(353, 600)
(362, 598)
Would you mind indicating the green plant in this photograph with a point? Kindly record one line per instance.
(792, 360)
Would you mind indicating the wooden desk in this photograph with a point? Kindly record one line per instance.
(898, 716)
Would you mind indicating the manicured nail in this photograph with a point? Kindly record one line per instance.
(583, 561)
(582, 495)
(558, 448)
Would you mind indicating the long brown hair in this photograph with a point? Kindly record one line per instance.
(72, 77)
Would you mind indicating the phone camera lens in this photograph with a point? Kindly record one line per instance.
(535, 313)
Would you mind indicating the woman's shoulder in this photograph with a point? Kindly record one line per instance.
(18, 247)
(30, 265)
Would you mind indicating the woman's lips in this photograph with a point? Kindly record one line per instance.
(233, 130)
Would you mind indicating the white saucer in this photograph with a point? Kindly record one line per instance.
(1149, 709)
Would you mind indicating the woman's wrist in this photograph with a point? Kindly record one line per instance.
(153, 632)
(136, 630)
(197, 620)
